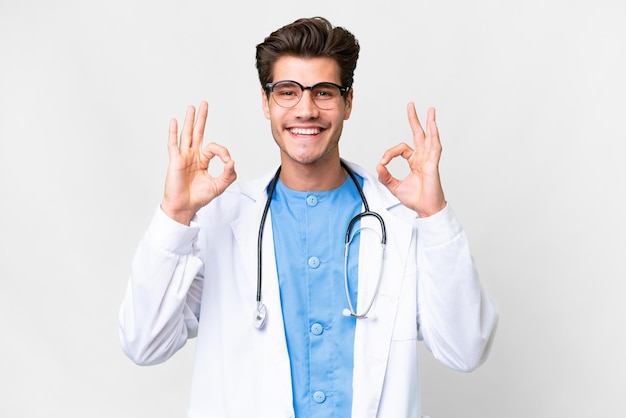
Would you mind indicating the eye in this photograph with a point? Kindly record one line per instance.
(287, 90)
(326, 91)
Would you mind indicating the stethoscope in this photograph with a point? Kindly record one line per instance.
(260, 313)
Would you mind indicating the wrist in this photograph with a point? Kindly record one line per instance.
(432, 210)
(182, 216)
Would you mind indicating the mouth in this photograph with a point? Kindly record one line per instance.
(305, 131)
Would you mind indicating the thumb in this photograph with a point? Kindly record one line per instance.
(228, 175)
(385, 177)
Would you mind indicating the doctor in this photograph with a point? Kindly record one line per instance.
(288, 321)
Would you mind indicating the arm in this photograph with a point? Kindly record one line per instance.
(456, 317)
(457, 320)
(162, 303)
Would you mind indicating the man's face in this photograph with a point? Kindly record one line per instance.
(305, 133)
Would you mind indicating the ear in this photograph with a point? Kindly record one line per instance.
(348, 109)
(265, 102)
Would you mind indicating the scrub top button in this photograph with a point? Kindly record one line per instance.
(314, 262)
(311, 200)
(317, 329)
(319, 396)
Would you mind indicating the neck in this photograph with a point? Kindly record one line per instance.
(317, 176)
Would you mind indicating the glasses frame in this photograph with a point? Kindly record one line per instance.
(269, 87)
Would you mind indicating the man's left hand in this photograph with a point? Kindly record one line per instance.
(421, 190)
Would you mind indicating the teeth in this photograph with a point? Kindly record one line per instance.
(303, 131)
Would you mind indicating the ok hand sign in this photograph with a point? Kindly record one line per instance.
(188, 185)
(421, 190)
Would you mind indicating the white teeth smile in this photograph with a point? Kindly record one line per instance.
(303, 131)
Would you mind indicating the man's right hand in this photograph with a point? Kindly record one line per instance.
(188, 185)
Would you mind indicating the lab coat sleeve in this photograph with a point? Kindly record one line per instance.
(162, 303)
(456, 317)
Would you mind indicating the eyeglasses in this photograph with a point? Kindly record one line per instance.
(288, 93)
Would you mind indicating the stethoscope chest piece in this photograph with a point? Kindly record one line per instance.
(260, 313)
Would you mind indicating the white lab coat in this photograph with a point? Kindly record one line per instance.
(201, 280)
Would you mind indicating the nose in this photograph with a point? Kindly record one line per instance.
(306, 107)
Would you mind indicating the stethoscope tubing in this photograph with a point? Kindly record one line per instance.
(260, 311)
(260, 237)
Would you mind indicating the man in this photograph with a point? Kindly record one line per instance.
(296, 309)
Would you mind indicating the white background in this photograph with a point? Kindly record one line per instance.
(531, 106)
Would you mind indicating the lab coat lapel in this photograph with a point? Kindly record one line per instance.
(246, 229)
(268, 342)
(373, 335)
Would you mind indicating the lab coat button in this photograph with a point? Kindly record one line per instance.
(317, 329)
(319, 396)
(314, 262)
(311, 200)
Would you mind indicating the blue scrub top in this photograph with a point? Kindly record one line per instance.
(309, 236)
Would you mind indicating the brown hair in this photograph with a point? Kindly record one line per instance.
(309, 38)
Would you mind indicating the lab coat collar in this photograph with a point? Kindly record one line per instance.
(380, 196)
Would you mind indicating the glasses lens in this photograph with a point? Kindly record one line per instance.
(326, 95)
(287, 93)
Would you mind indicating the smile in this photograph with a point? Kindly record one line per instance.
(305, 131)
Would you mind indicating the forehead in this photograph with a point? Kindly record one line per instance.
(307, 71)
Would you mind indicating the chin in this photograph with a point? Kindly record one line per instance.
(305, 160)
(307, 155)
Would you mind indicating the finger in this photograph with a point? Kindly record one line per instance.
(200, 123)
(431, 118)
(212, 149)
(228, 175)
(431, 126)
(172, 139)
(433, 141)
(400, 150)
(416, 126)
(186, 133)
(385, 177)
